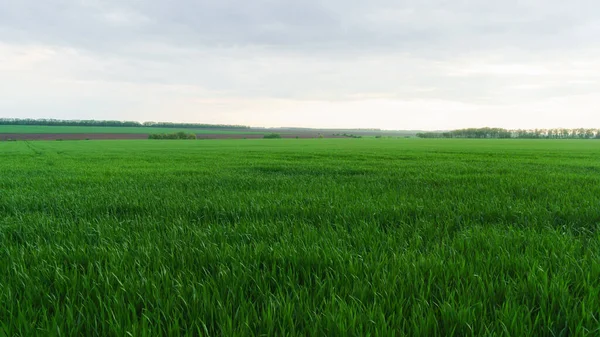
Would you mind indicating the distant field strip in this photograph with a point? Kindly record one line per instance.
(35, 129)
(287, 237)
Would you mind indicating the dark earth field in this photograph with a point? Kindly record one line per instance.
(124, 136)
(42, 132)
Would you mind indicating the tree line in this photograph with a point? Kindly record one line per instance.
(192, 125)
(175, 135)
(60, 122)
(559, 133)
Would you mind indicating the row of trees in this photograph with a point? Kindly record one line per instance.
(193, 125)
(60, 122)
(561, 133)
(349, 135)
(175, 135)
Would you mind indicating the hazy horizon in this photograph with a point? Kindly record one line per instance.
(391, 65)
(283, 127)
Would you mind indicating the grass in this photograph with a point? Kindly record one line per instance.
(330, 237)
(42, 129)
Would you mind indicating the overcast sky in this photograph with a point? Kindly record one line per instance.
(391, 64)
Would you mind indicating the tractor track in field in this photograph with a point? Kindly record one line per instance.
(35, 150)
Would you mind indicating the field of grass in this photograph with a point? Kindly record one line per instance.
(336, 237)
(42, 129)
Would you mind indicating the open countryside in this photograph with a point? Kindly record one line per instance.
(324, 168)
(61, 130)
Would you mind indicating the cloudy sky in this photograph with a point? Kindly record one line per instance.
(391, 64)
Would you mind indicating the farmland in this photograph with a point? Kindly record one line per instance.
(43, 129)
(70, 132)
(417, 237)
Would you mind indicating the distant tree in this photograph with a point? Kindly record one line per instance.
(590, 133)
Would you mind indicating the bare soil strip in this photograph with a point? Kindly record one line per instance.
(117, 136)
(69, 136)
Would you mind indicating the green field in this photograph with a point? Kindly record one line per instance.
(42, 129)
(336, 237)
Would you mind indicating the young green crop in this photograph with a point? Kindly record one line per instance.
(300, 237)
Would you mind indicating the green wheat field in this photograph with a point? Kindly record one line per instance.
(286, 237)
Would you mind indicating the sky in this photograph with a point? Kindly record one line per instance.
(389, 64)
